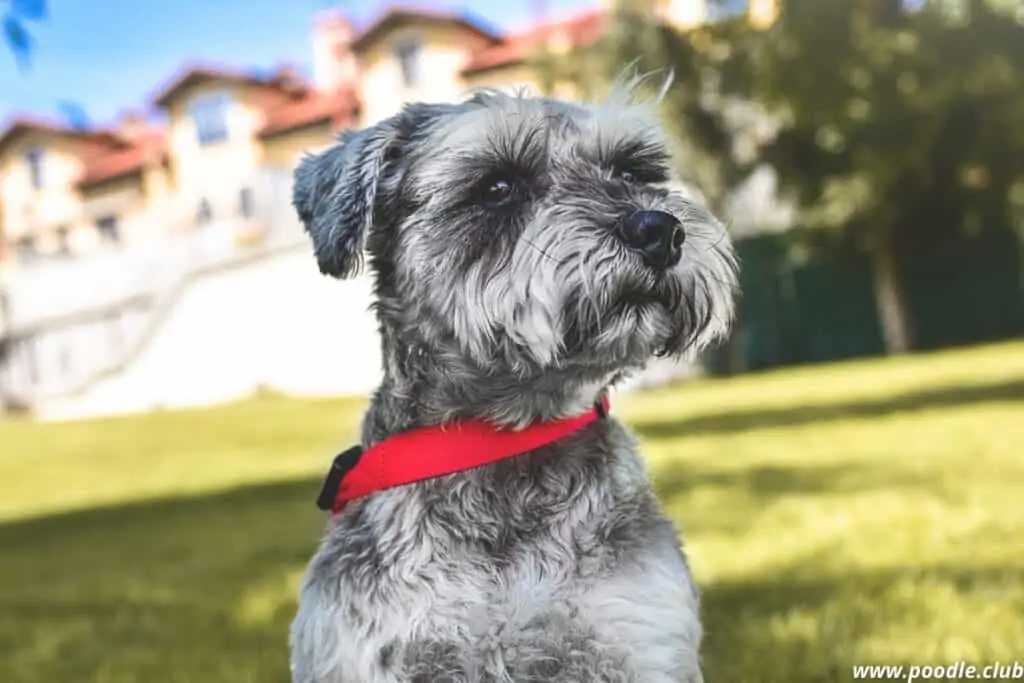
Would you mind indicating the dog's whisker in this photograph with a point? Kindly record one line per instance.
(540, 250)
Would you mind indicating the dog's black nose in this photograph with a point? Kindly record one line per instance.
(657, 235)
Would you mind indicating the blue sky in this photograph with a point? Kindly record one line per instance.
(112, 55)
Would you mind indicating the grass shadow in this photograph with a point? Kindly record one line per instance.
(187, 589)
(202, 589)
(773, 481)
(741, 493)
(798, 415)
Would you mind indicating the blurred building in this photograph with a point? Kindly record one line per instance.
(108, 236)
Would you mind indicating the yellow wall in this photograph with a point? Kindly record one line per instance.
(285, 150)
(217, 171)
(40, 212)
(156, 183)
(509, 78)
(125, 198)
(61, 205)
(513, 78)
(443, 52)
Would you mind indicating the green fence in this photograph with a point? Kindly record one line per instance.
(966, 291)
(819, 309)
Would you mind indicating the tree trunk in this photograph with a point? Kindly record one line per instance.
(890, 301)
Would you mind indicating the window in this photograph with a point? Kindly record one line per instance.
(723, 9)
(34, 159)
(26, 248)
(108, 229)
(63, 246)
(246, 205)
(204, 214)
(209, 113)
(407, 53)
(65, 361)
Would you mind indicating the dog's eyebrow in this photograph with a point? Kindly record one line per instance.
(479, 144)
(483, 164)
(633, 152)
(522, 145)
(648, 159)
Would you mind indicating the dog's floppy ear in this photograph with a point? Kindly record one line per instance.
(334, 193)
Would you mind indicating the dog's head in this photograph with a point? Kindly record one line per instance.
(523, 234)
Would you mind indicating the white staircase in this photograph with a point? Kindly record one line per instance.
(192, 320)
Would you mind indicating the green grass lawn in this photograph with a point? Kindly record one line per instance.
(857, 513)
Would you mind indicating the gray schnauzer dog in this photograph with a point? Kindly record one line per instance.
(528, 253)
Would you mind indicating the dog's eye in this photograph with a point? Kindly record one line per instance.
(641, 174)
(499, 190)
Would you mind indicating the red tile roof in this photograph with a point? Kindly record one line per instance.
(193, 74)
(25, 124)
(582, 29)
(290, 103)
(147, 149)
(339, 107)
(106, 154)
(288, 100)
(396, 15)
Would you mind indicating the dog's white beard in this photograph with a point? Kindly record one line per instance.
(522, 302)
(709, 270)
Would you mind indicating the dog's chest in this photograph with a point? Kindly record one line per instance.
(569, 574)
(542, 620)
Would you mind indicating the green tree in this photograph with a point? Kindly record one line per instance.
(887, 126)
(711, 115)
(899, 127)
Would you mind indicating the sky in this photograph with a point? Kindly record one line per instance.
(109, 56)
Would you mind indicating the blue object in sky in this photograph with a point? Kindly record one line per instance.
(73, 114)
(33, 10)
(16, 35)
(17, 38)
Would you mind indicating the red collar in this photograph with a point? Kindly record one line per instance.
(428, 452)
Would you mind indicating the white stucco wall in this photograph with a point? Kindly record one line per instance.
(276, 323)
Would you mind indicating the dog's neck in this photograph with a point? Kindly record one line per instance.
(428, 390)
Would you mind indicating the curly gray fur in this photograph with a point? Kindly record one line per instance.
(553, 566)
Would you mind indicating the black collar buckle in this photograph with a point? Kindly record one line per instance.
(341, 465)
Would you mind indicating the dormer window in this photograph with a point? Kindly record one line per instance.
(107, 228)
(209, 114)
(246, 204)
(63, 237)
(204, 212)
(34, 161)
(26, 248)
(407, 52)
